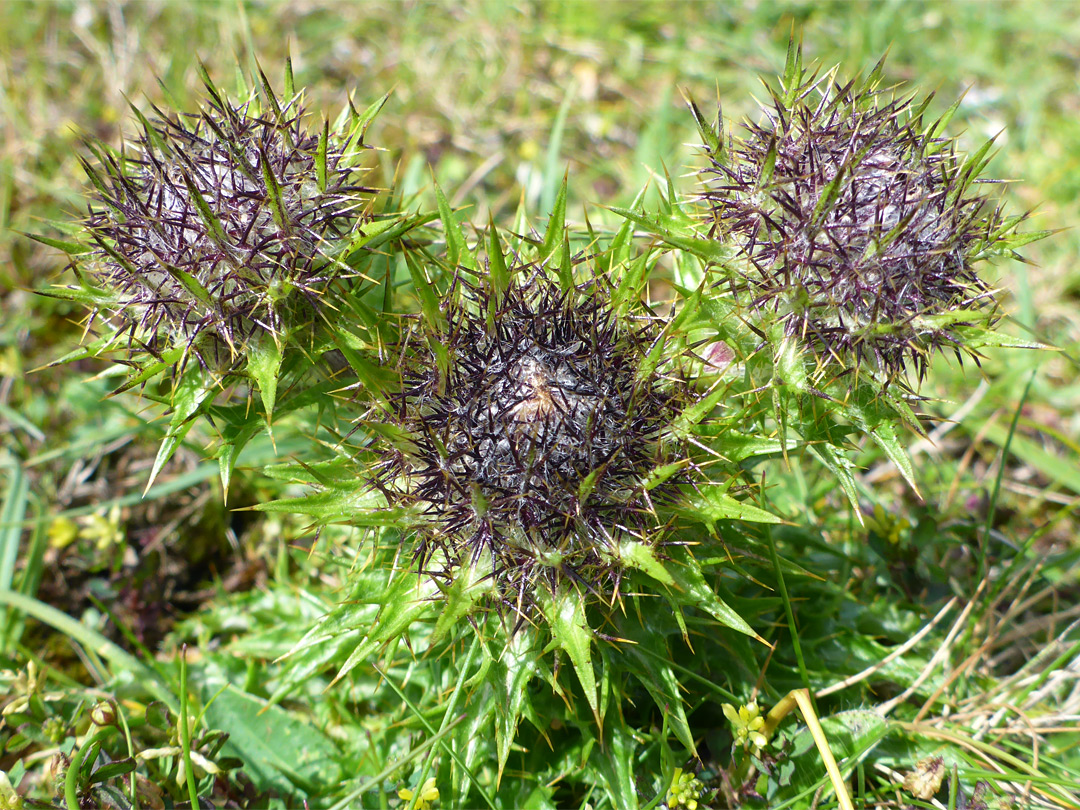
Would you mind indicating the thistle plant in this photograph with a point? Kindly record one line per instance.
(531, 485)
(531, 424)
(219, 246)
(223, 227)
(858, 223)
(844, 237)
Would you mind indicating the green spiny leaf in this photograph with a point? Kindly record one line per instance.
(873, 79)
(653, 359)
(472, 745)
(632, 281)
(556, 229)
(510, 676)
(884, 436)
(457, 251)
(190, 393)
(620, 252)
(618, 768)
(190, 284)
(713, 504)
(209, 218)
(969, 171)
(648, 657)
(713, 137)
(684, 423)
(374, 376)
(641, 556)
(425, 291)
(976, 338)
(690, 588)
(470, 584)
(85, 295)
(264, 365)
(566, 267)
(841, 467)
(938, 127)
(270, 97)
(208, 83)
(381, 232)
(708, 250)
(768, 166)
(361, 121)
(152, 135)
(273, 190)
(166, 361)
(357, 506)
(407, 600)
(70, 248)
(320, 156)
(290, 83)
(500, 277)
(793, 71)
(664, 472)
(229, 452)
(739, 447)
(565, 614)
(789, 360)
(828, 198)
(94, 176)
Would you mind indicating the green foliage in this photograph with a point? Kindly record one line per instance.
(737, 562)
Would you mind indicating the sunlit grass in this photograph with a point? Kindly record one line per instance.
(943, 626)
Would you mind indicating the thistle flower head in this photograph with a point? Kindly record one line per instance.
(221, 224)
(857, 220)
(532, 429)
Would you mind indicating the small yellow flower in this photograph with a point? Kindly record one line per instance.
(62, 532)
(103, 529)
(685, 790)
(747, 723)
(429, 794)
(887, 525)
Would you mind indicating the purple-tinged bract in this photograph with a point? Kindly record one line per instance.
(858, 222)
(216, 226)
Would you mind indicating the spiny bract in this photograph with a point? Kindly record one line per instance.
(857, 222)
(217, 220)
(531, 438)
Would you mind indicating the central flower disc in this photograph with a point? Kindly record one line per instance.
(541, 419)
(540, 390)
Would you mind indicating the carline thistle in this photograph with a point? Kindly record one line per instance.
(211, 229)
(531, 433)
(857, 222)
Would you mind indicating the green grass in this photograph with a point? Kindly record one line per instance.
(102, 585)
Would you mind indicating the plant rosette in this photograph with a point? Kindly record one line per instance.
(538, 464)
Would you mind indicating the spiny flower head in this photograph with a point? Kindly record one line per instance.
(858, 221)
(532, 430)
(213, 227)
